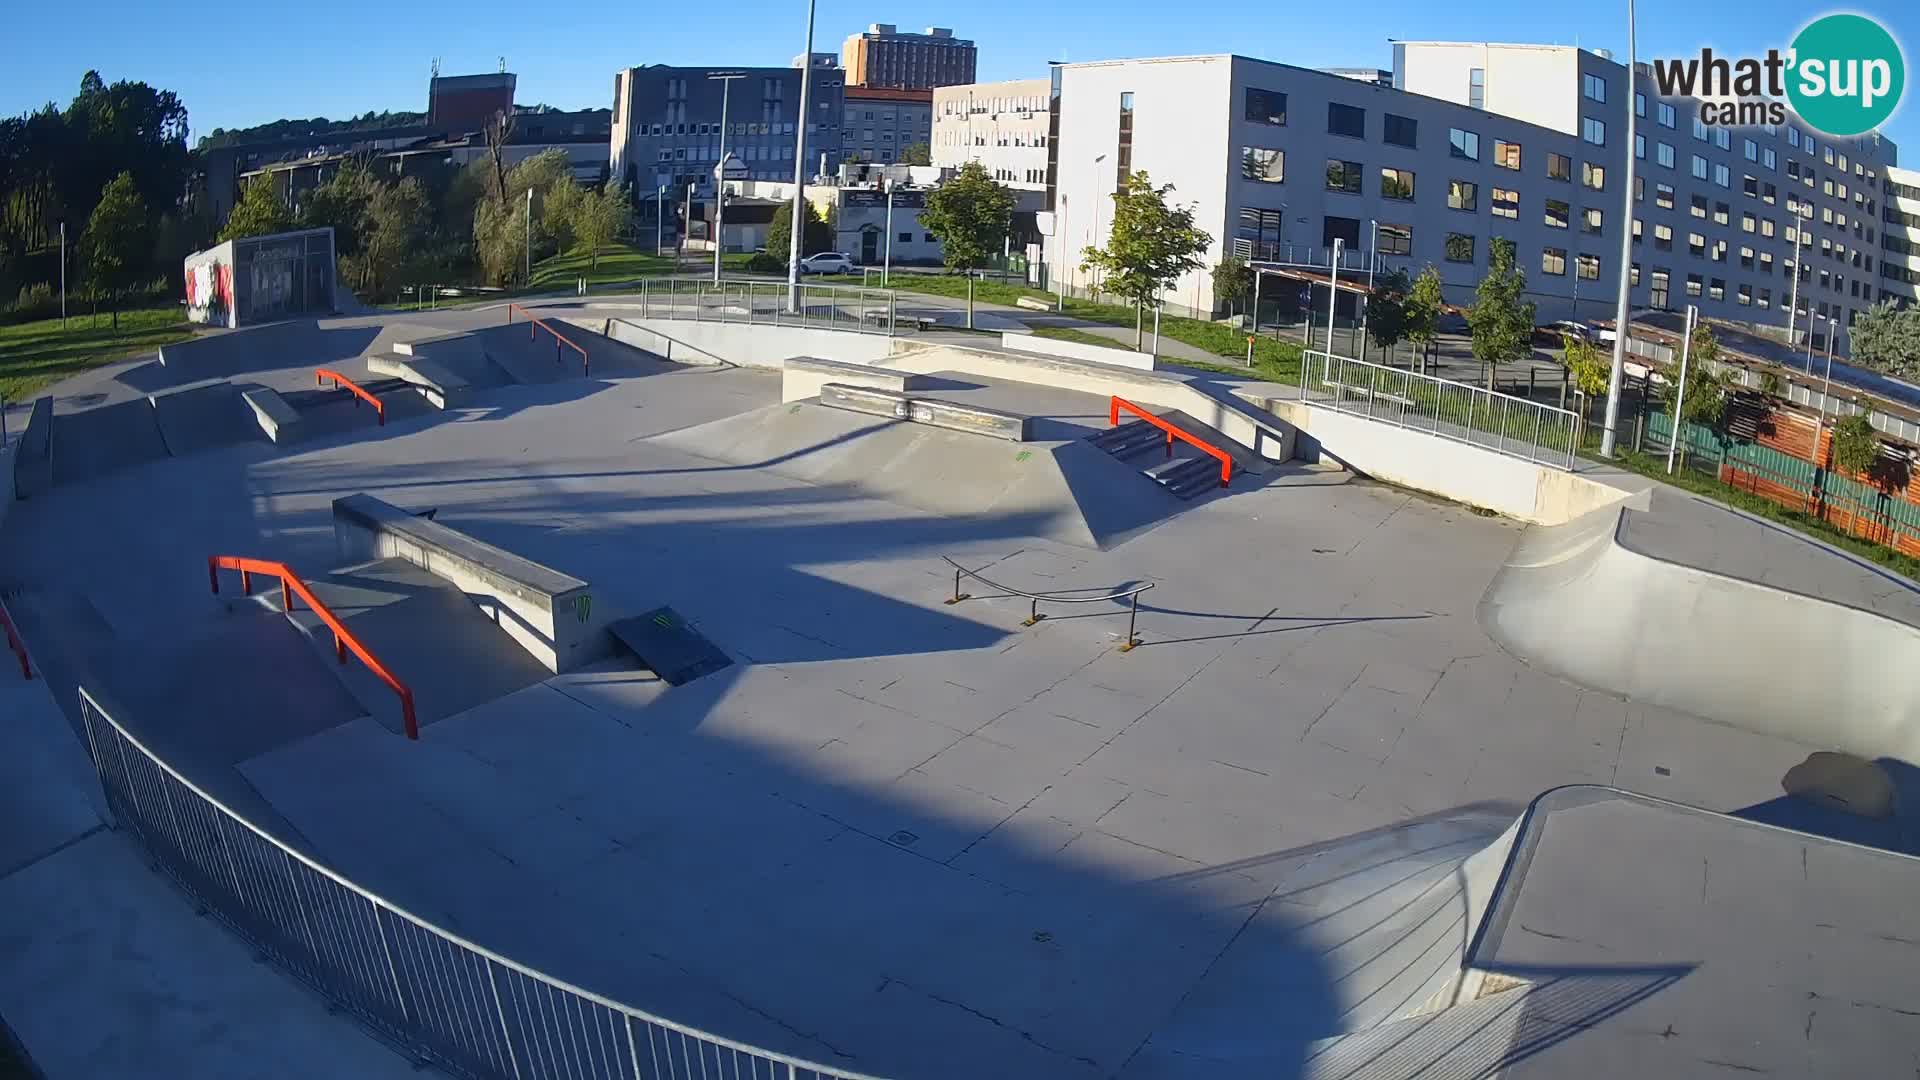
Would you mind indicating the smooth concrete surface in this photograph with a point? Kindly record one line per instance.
(954, 416)
(801, 377)
(1615, 600)
(551, 614)
(93, 442)
(440, 386)
(33, 467)
(1095, 354)
(278, 420)
(48, 794)
(740, 343)
(8, 456)
(200, 416)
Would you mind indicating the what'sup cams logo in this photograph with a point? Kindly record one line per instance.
(1843, 74)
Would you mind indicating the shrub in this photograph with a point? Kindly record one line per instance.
(36, 301)
(764, 263)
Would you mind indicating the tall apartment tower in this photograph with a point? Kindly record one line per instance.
(885, 58)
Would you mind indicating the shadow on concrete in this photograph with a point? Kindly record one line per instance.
(292, 344)
(1849, 798)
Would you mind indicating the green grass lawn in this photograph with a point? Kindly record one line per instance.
(622, 262)
(1068, 333)
(36, 354)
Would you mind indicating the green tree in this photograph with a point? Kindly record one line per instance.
(118, 242)
(1232, 279)
(395, 228)
(1425, 301)
(1706, 398)
(816, 235)
(1150, 246)
(1886, 338)
(259, 212)
(1500, 322)
(1587, 366)
(600, 217)
(1855, 447)
(916, 154)
(1387, 309)
(970, 215)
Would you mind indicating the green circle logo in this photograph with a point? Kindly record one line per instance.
(1847, 74)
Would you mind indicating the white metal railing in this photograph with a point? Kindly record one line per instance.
(1505, 424)
(1308, 255)
(736, 300)
(435, 994)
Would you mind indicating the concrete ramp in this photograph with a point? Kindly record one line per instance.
(202, 416)
(1617, 600)
(94, 442)
(1066, 491)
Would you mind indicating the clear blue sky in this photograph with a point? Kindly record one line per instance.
(241, 63)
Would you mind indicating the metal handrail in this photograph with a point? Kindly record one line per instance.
(1523, 428)
(559, 338)
(343, 639)
(15, 642)
(392, 960)
(1226, 462)
(321, 375)
(1033, 612)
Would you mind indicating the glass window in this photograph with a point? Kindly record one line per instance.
(1343, 176)
(1748, 222)
(1559, 167)
(1663, 196)
(1699, 205)
(1591, 220)
(1639, 146)
(1396, 183)
(1639, 104)
(1722, 176)
(1553, 261)
(1266, 106)
(1720, 212)
(1750, 186)
(1263, 165)
(1693, 284)
(1401, 130)
(1697, 245)
(1593, 131)
(1477, 88)
(1699, 167)
(1463, 195)
(1593, 88)
(1699, 129)
(1506, 203)
(1588, 267)
(1346, 120)
(1723, 138)
(1506, 154)
(1750, 149)
(1459, 247)
(1663, 237)
(1463, 144)
(1557, 214)
(1396, 239)
(1663, 153)
(1664, 114)
(1745, 295)
(1717, 287)
(1593, 176)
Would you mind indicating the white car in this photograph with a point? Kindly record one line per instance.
(827, 262)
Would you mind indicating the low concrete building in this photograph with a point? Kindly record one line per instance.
(262, 278)
(882, 123)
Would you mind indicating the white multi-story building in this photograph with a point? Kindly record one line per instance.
(881, 124)
(1001, 125)
(1900, 236)
(1478, 143)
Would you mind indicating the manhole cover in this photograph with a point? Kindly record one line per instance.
(903, 838)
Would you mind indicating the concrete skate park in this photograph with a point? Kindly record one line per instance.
(810, 696)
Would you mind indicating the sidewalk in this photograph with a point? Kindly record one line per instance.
(105, 968)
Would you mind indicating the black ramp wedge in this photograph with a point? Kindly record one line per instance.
(669, 646)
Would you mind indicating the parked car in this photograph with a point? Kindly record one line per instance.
(827, 262)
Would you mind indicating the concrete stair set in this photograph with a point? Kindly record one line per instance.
(1186, 474)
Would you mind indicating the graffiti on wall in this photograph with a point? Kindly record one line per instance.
(210, 293)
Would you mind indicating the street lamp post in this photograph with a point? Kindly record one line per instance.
(529, 255)
(1826, 387)
(1059, 256)
(725, 79)
(686, 229)
(1622, 309)
(659, 217)
(1333, 293)
(1093, 236)
(886, 273)
(799, 221)
(1373, 258)
(1793, 299)
(1680, 394)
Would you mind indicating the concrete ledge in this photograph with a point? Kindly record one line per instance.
(1032, 304)
(276, 418)
(552, 615)
(426, 346)
(199, 416)
(441, 387)
(929, 411)
(33, 460)
(802, 377)
(762, 345)
(1093, 354)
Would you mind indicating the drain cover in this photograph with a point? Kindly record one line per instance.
(903, 838)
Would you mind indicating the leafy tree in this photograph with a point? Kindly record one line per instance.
(1886, 338)
(1149, 247)
(1587, 365)
(1855, 446)
(916, 154)
(258, 213)
(566, 199)
(1387, 309)
(816, 235)
(599, 219)
(1421, 313)
(118, 245)
(1500, 322)
(503, 237)
(970, 215)
(1232, 279)
(1706, 399)
(395, 227)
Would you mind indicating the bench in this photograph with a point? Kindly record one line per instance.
(552, 615)
(1033, 304)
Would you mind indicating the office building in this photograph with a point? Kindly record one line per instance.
(886, 58)
(1279, 161)
(1900, 236)
(667, 123)
(457, 104)
(881, 124)
(1001, 125)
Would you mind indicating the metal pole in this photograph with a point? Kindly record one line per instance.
(1825, 388)
(529, 253)
(1793, 301)
(719, 180)
(886, 275)
(1622, 309)
(1333, 290)
(659, 217)
(686, 230)
(1680, 395)
(1810, 340)
(63, 275)
(1060, 243)
(799, 171)
(1373, 259)
(1257, 278)
(1156, 327)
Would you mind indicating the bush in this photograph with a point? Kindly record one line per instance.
(764, 263)
(36, 301)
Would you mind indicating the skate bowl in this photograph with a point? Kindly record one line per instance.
(1619, 600)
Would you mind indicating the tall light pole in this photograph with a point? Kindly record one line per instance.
(1373, 259)
(659, 217)
(1622, 309)
(1093, 236)
(686, 228)
(886, 274)
(1793, 300)
(1826, 388)
(1333, 294)
(63, 275)
(800, 171)
(1059, 255)
(529, 277)
(1796, 271)
(725, 79)
(1680, 391)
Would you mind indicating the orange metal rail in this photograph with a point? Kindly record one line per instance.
(321, 375)
(343, 639)
(559, 339)
(15, 641)
(1226, 462)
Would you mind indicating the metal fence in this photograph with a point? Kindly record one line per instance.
(442, 998)
(1516, 427)
(734, 300)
